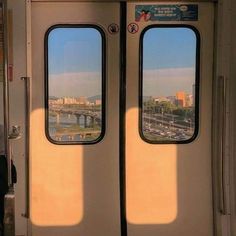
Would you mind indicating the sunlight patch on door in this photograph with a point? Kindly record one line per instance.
(151, 181)
(57, 180)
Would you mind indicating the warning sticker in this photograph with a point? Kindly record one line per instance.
(133, 28)
(186, 12)
(113, 28)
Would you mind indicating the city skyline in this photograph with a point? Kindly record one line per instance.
(181, 99)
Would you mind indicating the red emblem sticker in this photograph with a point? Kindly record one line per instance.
(133, 28)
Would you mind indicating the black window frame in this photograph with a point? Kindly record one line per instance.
(103, 83)
(197, 83)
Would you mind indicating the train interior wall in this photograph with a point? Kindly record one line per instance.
(233, 119)
(225, 64)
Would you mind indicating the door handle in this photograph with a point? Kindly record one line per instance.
(223, 162)
(27, 133)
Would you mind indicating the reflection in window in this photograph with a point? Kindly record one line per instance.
(75, 82)
(169, 63)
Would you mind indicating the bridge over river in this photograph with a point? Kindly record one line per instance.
(81, 135)
(90, 116)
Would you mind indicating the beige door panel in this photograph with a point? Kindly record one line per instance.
(74, 189)
(169, 186)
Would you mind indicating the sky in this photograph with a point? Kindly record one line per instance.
(75, 61)
(74, 50)
(167, 81)
(169, 56)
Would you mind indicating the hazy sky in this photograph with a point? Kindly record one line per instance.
(169, 56)
(167, 81)
(75, 84)
(169, 48)
(74, 50)
(75, 61)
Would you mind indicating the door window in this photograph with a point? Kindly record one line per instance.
(169, 84)
(75, 84)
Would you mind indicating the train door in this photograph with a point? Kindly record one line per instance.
(164, 140)
(168, 119)
(74, 166)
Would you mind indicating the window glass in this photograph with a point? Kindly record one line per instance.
(75, 84)
(169, 83)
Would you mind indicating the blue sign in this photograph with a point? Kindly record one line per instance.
(183, 12)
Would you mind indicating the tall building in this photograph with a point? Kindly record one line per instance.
(82, 100)
(68, 100)
(189, 100)
(193, 92)
(98, 102)
(181, 99)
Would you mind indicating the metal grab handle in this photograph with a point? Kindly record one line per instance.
(222, 135)
(27, 131)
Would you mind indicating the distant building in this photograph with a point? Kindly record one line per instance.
(181, 99)
(194, 93)
(98, 102)
(82, 100)
(161, 99)
(189, 100)
(56, 101)
(69, 100)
